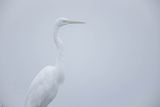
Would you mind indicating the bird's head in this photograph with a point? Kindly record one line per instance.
(64, 21)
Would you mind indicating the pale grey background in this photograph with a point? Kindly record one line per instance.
(112, 61)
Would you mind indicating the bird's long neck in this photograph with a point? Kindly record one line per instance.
(59, 46)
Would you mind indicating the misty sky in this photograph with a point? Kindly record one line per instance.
(112, 61)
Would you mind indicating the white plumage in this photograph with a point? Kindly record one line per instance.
(44, 86)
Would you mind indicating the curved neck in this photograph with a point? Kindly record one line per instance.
(59, 46)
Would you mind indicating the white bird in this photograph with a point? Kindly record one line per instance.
(44, 86)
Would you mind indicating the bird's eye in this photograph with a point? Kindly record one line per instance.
(64, 21)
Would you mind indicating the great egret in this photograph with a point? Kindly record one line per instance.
(44, 86)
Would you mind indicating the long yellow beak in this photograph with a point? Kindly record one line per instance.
(75, 22)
